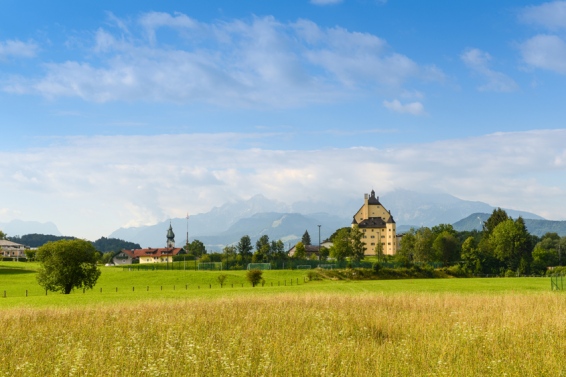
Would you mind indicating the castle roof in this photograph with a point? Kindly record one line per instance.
(373, 199)
(372, 222)
(153, 252)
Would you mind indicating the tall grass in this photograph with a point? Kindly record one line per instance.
(309, 334)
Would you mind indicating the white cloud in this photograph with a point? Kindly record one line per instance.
(478, 61)
(230, 63)
(414, 108)
(551, 15)
(89, 186)
(18, 49)
(546, 52)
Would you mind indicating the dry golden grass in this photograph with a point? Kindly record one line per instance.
(293, 335)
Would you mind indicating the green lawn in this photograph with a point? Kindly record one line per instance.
(119, 285)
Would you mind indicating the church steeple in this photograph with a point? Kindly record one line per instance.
(170, 236)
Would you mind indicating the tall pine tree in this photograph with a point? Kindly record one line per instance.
(306, 240)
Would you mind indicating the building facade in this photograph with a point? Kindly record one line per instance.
(150, 255)
(12, 249)
(377, 225)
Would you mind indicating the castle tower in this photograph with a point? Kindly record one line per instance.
(170, 236)
(377, 225)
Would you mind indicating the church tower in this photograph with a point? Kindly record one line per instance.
(170, 236)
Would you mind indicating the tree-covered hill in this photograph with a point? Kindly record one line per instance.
(103, 244)
(37, 240)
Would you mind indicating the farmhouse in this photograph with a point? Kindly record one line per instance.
(311, 250)
(377, 225)
(12, 249)
(150, 255)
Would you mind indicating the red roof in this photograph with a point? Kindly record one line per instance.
(153, 252)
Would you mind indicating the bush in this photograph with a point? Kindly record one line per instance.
(510, 274)
(456, 271)
(313, 275)
(561, 270)
(254, 276)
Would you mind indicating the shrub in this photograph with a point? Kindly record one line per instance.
(510, 274)
(254, 276)
(313, 275)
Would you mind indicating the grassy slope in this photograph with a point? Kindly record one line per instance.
(15, 278)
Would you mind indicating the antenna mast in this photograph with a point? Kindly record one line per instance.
(187, 228)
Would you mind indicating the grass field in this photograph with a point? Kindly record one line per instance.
(438, 327)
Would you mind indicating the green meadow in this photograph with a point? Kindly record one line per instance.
(118, 284)
(185, 324)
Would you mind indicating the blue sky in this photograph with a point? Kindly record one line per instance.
(128, 113)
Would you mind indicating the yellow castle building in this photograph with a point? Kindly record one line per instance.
(377, 225)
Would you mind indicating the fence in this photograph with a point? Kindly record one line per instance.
(289, 264)
(38, 291)
(557, 282)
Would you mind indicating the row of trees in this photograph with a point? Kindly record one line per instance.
(503, 246)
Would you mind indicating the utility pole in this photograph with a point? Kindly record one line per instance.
(319, 242)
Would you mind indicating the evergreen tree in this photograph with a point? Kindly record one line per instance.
(306, 240)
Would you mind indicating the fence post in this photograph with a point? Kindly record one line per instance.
(5, 293)
(26, 293)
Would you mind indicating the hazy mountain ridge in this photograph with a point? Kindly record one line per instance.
(534, 226)
(21, 227)
(227, 223)
(418, 209)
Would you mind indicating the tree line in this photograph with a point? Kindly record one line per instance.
(503, 246)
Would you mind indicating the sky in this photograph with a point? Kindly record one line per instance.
(119, 114)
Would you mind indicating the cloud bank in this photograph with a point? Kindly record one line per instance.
(89, 186)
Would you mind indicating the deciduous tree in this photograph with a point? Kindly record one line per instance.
(300, 251)
(67, 264)
(357, 246)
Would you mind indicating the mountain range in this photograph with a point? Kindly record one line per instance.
(259, 215)
(21, 227)
(227, 223)
(537, 227)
